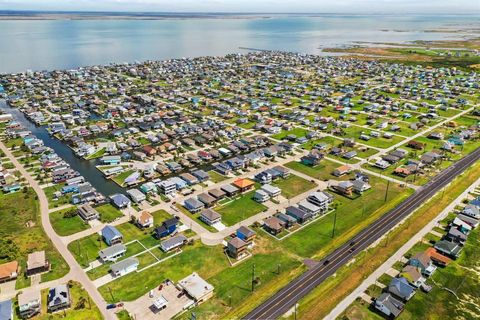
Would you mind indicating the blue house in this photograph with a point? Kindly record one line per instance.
(111, 235)
(246, 234)
(179, 183)
(111, 160)
(120, 200)
(11, 188)
(166, 228)
(193, 205)
(70, 189)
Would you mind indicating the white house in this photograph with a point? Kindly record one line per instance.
(124, 267)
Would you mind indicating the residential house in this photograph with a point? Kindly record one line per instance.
(124, 267)
(448, 248)
(300, 215)
(230, 190)
(246, 234)
(120, 201)
(8, 271)
(167, 187)
(273, 225)
(111, 235)
(112, 253)
(261, 196)
(272, 191)
(207, 199)
(422, 261)
(87, 212)
(312, 159)
(236, 248)
(413, 275)
(244, 184)
(190, 179)
(210, 217)
(342, 170)
(193, 205)
(401, 289)
(29, 303)
(360, 186)
(6, 309)
(389, 305)
(263, 177)
(144, 220)
(344, 187)
(320, 199)
(471, 211)
(201, 175)
(167, 227)
(111, 160)
(136, 195)
(173, 243)
(287, 220)
(37, 263)
(58, 298)
(217, 194)
(282, 171)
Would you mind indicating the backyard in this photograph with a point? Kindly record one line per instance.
(294, 185)
(240, 209)
(64, 224)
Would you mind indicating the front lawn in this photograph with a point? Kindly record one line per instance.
(85, 250)
(60, 201)
(240, 209)
(293, 185)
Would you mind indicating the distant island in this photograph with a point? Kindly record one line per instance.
(85, 15)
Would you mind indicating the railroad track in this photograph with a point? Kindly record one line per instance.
(288, 296)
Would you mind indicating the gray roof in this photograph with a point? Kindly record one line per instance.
(112, 251)
(395, 306)
(6, 309)
(173, 242)
(124, 264)
(210, 214)
(58, 295)
(401, 288)
(229, 188)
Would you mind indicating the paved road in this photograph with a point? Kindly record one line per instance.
(287, 297)
(76, 273)
(345, 303)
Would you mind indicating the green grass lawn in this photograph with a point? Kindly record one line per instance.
(323, 171)
(65, 226)
(85, 250)
(62, 200)
(240, 209)
(299, 132)
(108, 213)
(120, 178)
(293, 185)
(216, 177)
(98, 154)
(17, 240)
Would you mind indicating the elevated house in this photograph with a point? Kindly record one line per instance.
(244, 184)
(246, 234)
(210, 217)
(401, 289)
(120, 201)
(193, 205)
(111, 235)
(167, 228)
(196, 288)
(29, 303)
(389, 305)
(37, 263)
(298, 214)
(173, 243)
(273, 225)
(87, 212)
(124, 267)
(112, 253)
(423, 261)
(8, 271)
(58, 298)
(143, 220)
(237, 248)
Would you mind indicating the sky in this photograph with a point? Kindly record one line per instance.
(265, 6)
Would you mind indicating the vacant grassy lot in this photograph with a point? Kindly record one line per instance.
(86, 249)
(293, 185)
(120, 178)
(216, 177)
(65, 226)
(240, 209)
(323, 171)
(298, 132)
(108, 213)
(21, 233)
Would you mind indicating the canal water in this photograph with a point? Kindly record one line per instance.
(85, 167)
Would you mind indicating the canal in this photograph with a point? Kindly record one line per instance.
(85, 167)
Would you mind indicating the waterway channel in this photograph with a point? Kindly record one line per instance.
(85, 167)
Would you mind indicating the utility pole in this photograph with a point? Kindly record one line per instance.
(111, 294)
(334, 222)
(386, 190)
(253, 277)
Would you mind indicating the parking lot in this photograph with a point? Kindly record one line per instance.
(143, 307)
